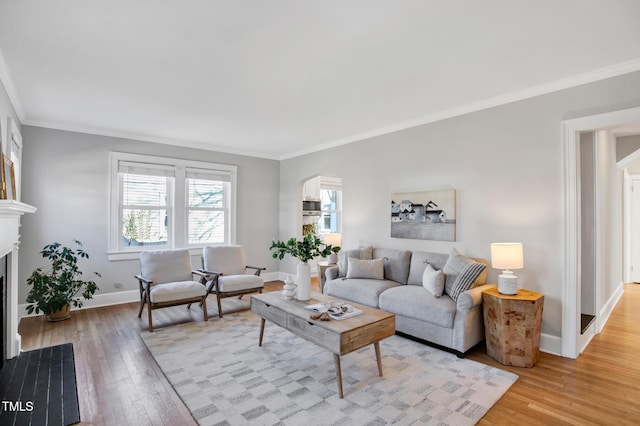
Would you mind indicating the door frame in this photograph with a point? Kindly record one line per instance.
(571, 238)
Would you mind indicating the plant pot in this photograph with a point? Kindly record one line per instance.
(61, 315)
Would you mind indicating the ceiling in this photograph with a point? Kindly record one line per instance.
(281, 78)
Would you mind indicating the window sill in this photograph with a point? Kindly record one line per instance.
(117, 256)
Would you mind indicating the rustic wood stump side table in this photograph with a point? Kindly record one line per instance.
(513, 324)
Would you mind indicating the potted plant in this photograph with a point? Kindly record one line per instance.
(310, 247)
(55, 290)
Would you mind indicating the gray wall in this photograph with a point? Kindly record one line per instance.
(626, 145)
(66, 178)
(505, 164)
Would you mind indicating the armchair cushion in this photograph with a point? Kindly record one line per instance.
(226, 260)
(229, 283)
(178, 290)
(165, 266)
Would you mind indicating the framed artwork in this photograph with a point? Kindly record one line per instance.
(8, 179)
(425, 215)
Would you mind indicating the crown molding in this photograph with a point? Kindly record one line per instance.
(148, 138)
(554, 86)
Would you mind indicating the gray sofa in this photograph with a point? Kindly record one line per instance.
(454, 325)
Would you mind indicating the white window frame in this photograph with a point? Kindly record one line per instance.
(177, 205)
(335, 184)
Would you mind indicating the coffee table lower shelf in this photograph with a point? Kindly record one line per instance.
(339, 337)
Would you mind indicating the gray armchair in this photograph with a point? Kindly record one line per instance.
(166, 279)
(226, 275)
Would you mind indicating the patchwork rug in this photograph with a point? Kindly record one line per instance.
(225, 378)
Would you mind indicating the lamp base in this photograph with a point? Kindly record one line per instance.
(507, 283)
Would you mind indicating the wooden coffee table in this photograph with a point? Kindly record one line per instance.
(339, 337)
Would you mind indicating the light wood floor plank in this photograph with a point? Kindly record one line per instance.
(119, 382)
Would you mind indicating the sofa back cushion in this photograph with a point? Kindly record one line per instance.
(420, 260)
(396, 263)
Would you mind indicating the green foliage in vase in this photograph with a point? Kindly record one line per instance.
(62, 284)
(310, 247)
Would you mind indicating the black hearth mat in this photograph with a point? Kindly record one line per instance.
(39, 388)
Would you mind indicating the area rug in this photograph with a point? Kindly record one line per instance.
(225, 378)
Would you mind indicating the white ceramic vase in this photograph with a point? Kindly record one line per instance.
(303, 292)
(289, 289)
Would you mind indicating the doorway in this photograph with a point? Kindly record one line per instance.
(573, 341)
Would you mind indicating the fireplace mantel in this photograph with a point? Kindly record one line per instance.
(10, 213)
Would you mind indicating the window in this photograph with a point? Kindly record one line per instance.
(208, 207)
(331, 205)
(161, 203)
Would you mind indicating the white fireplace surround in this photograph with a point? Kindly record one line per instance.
(10, 214)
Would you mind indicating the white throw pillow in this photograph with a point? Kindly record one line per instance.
(433, 281)
(371, 269)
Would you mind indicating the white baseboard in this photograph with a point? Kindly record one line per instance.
(98, 300)
(551, 344)
(608, 308)
(117, 298)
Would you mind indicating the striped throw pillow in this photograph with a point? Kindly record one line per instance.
(465, 279)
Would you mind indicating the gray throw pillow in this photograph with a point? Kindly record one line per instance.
(365, 253)
(370, 269)
(433, 281)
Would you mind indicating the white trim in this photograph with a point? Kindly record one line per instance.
(554, 86)
(608, 307)
(565, 83)
(571, 189)
(120, 297)
(177, 206)
(551, 344)
(99, 300)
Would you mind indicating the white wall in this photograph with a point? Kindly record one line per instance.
(66, 177)
(6, 111)
(505, 164)
(610, 227)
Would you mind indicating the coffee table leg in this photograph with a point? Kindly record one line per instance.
(378, 357)
(336, 359)
(261, 332)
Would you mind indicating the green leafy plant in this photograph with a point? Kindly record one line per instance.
(59, 286)
(305, 250)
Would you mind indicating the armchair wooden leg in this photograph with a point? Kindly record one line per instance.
(149, 312)
(204, 308)
(141, 308)
(219, 305)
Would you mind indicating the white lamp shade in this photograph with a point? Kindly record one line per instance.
(507, 256)
(333, 240)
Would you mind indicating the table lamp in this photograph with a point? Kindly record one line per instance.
(334, 240)
(507, 256)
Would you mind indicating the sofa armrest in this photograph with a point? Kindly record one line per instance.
(472, 297)
(331, 273)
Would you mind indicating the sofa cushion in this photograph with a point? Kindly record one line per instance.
(456, 263)
(396, 263)
(417, 303)
(364, 253)
(371, 269)
(461, 273)
(433, 281)
(363, 291)
(419, 261)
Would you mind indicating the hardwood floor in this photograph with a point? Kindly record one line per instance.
(119, 382)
